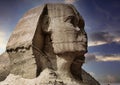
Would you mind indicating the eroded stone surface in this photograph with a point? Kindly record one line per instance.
(48, 45)
(4, 66)
(19, 47)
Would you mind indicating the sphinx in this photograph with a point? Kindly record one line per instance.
(48, 47)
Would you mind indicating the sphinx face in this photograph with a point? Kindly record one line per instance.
(66, 34)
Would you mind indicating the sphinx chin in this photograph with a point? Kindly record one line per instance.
(70, 48)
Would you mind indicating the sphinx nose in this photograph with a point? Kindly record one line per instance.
(80, 36)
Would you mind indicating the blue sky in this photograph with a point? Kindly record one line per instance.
(102, 24)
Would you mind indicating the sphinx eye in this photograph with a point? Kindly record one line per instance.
(71, 19)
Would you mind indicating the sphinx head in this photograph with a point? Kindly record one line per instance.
(66, 29)
(53, 29)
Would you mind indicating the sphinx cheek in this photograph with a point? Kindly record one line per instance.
(67, 40)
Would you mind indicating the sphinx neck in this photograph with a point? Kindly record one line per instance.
(64, 64)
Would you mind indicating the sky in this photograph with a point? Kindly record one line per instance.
(102, 24)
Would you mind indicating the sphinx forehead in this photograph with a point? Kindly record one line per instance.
(60, 10)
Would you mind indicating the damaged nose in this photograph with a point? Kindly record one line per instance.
(80, 35)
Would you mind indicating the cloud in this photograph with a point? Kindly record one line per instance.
(70, 1)
(90, 43)
(92, 73)
(102, 36)
(99, 38)
(116, 33)
(90, 57)
(3, 41)
(108, 78)
(108, 58)
(111, 79)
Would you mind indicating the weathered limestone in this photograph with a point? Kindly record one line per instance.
(47, 47)
(20, 44)
(4, 66)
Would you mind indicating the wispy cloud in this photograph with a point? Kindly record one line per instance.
(108, 58)
(92, 73)
(90, 57)
(100, 38)
(70, 1)
(94, 43)
(3, 41)
(110, 78)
